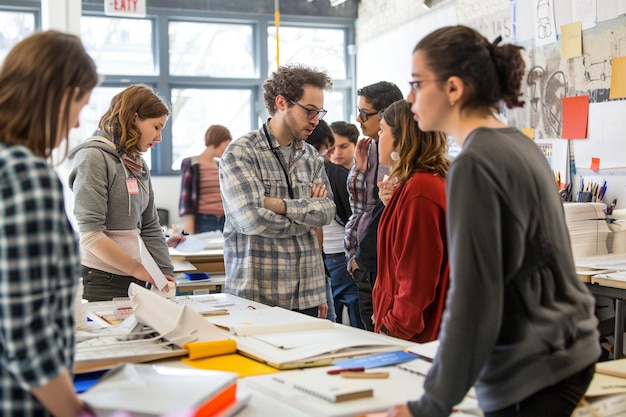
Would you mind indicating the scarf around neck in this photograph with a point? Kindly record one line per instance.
(132, 161)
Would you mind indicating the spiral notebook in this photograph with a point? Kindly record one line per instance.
(337, 390)
(401, 386)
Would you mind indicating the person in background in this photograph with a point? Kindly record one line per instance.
(200, 206)
(345, 292)
(412, 278)
(346, 137)
(323, 141)
(45, 81)
(363, 191)
(276, 194)
(519, 324)
(114, 199)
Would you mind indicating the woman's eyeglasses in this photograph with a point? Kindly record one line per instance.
(365, 115)
(311, 113)
(415, 85)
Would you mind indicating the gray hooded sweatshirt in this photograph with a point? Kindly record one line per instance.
(103, 202)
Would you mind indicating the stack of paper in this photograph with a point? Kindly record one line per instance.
(587, 228)
(286, 340)
(612, 279)
(606, 395)
(157, 329)
(617, 225)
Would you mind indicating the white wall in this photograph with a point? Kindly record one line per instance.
(387, 32)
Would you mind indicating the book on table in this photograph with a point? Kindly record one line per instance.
(285, 339)
(154, 390)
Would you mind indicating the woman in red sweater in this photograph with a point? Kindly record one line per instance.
(410, 291)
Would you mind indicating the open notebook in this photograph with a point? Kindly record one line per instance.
(284, 339)
(313, 391)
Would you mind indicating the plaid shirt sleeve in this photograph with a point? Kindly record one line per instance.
(243, 188)
(357, 193)
(39, 270)
(188, 203)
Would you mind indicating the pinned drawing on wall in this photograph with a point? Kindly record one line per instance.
(618, 78)
(571, 40)
(545, 28)
(575, 117)
(586, 12)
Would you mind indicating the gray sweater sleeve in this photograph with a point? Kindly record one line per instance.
(89, 180)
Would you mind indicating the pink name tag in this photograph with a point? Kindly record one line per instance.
(131, 186)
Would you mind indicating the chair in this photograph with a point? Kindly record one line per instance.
(164, 217)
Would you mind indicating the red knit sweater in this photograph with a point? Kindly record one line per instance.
(412, 281)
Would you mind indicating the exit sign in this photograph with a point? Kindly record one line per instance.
(134, 8)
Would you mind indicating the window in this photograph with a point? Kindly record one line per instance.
(197, 109)
(14, 26)
(317, 47)
(209, 67)
(119, 45)
(211, 50)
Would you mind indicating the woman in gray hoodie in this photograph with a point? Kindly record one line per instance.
(120, 234)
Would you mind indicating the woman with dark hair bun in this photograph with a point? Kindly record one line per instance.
(519, 325)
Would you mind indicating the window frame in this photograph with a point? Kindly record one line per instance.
(161, 156)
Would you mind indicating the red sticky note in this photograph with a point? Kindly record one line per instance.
(575, 117)
(595, 164)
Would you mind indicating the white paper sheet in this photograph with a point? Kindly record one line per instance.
(153, 269)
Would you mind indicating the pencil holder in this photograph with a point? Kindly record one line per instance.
(585, 197)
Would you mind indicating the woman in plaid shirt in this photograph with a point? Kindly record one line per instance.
(44, 83)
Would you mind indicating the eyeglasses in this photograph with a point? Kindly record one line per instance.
(365, 115)
(415, 85)
(311, 113)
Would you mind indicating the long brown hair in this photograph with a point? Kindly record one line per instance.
(417, 150)
(118, 122)
(36, 76)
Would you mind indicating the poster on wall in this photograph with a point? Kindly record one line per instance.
(557, 153)
(585, 11)
(545, 25)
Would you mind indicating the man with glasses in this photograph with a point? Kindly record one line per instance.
(276, 194)
(360, 237)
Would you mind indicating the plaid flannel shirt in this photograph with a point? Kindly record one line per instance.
(39, 271)
(271, 258)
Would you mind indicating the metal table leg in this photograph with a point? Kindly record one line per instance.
(618, 349)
